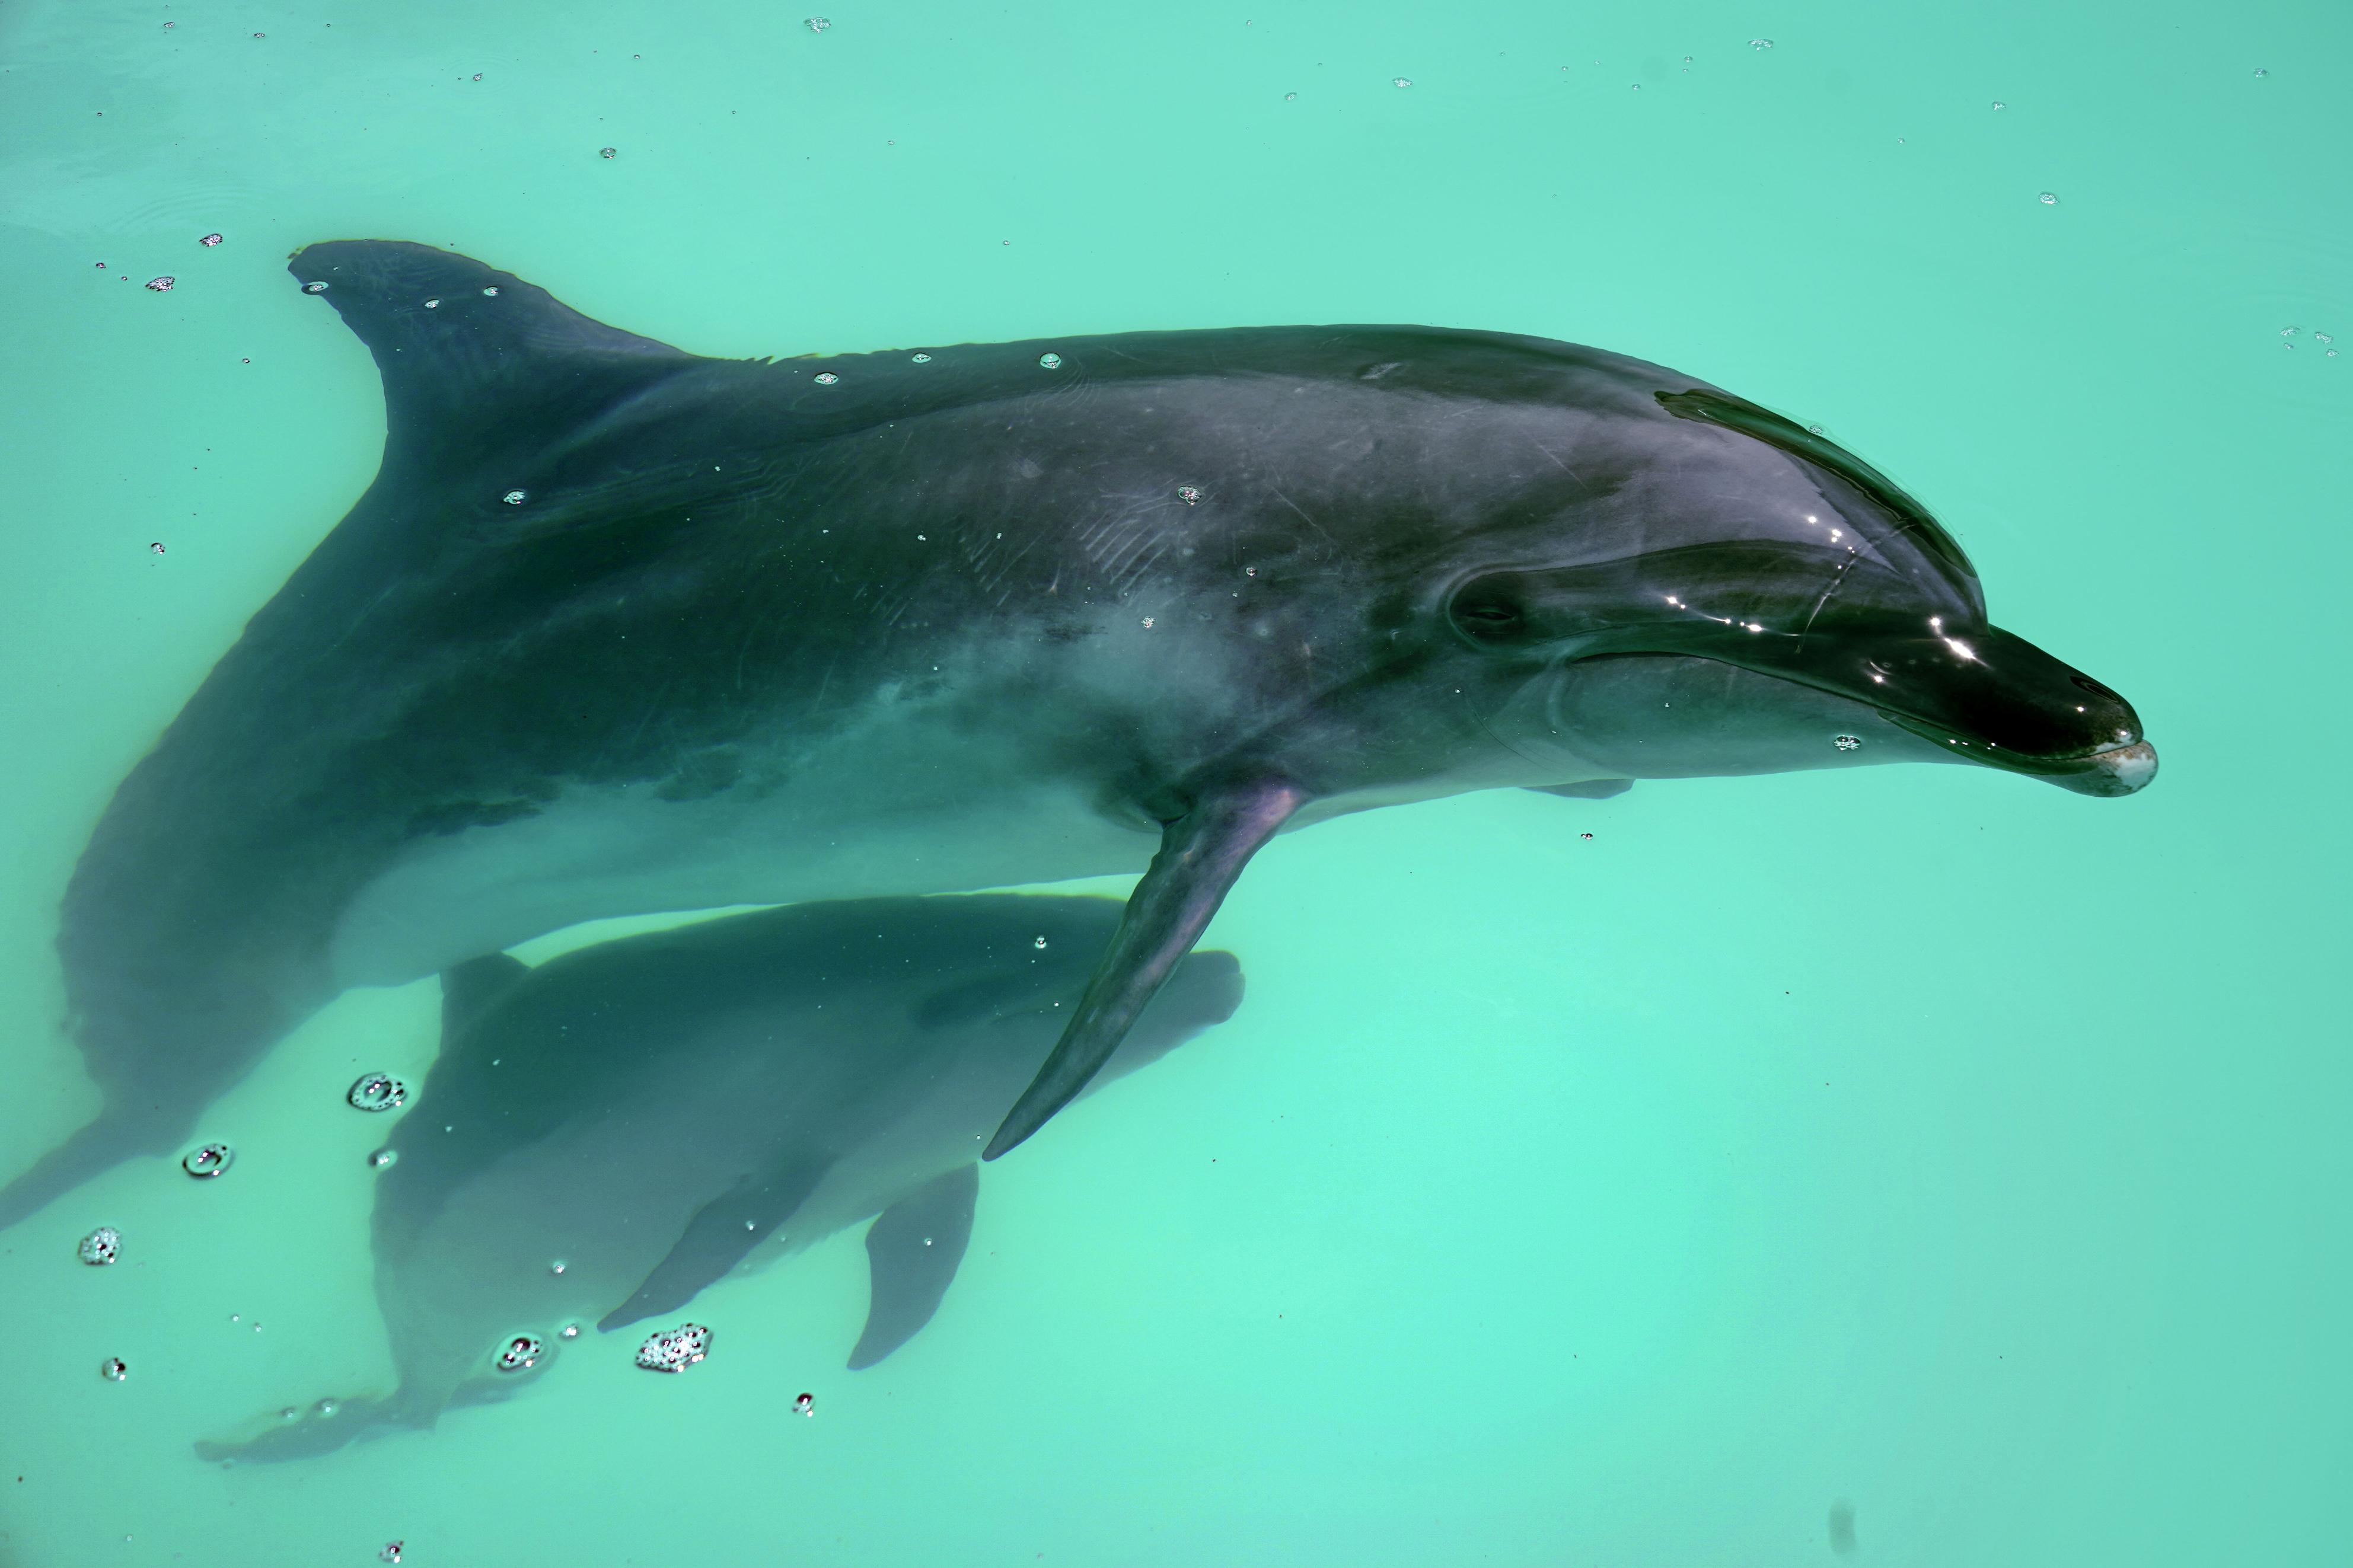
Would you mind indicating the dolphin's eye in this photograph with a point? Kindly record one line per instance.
(1487, 618)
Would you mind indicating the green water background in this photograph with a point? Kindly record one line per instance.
(1924, 1141)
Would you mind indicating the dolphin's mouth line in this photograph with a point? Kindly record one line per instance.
(1994, 754)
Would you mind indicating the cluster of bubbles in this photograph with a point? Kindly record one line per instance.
(1188, 495)
(520, 1353)
(826, 378)
(515, 498)
(209, 240)
(210, 1161)
(101, 1245)
(378, 1091)
(1846, 742)
(162, 285)
(675, 1350)
(818, 23)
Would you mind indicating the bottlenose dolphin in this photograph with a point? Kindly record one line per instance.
(620, 629)
(655, 1111)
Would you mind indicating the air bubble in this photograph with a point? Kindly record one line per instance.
(491, 291)
(570, 1331)
(2259, 71)
(608, 152)
(326, 1408)
(114, 1369)
(558, 1267)
(1050, 361)
(314, 288)
(818, 23)
(385, 1159)
(208, 1161)
(162, 285)
(290, 1414)
(1846, 742)
(1188, 495)
(101, 1245)
(208, 241)
(520, 1353)
(1291, 98)
(157, 547)
(2289, 332)
(2000, 104)
(922, 359)
(390, 1553)
(806, 1403)
(675, 1350)
(1401, 81)
(1040, 945)
(380, 1091)
(2048, 199)
(826, 378)
(514, 498)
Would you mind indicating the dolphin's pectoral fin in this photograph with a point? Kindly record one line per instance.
(912, 1251)
(717, 1238)
(1201, 853)
(311, 1433)
(467, 989)
(463, 348)
(1591, 789)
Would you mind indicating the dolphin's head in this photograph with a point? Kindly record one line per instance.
(1738, 595)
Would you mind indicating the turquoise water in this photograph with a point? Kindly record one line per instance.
(1918, 1147)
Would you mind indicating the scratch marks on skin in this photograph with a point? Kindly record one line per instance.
(1555, 458)
(1127, 542)
(1838, 580)
(1303, 517)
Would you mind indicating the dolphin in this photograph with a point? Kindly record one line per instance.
(653, 1112)
(620, 629)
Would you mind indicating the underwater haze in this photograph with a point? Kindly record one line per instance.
(1897, 1165)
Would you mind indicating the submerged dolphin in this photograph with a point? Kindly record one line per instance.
(654, 1111)
(621, 629)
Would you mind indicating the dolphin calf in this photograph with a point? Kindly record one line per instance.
(652, 1113)
(620, 629)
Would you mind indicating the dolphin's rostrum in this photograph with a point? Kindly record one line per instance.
(621, 629)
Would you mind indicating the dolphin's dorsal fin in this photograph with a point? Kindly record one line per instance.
(473, 359)
(468, 988)
(912, 1250)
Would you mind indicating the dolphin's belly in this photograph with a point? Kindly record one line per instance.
(873, 821)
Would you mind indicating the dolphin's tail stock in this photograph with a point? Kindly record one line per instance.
(324, 1427)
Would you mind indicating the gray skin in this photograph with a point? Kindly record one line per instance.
(748, 634)
(659, 1112)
